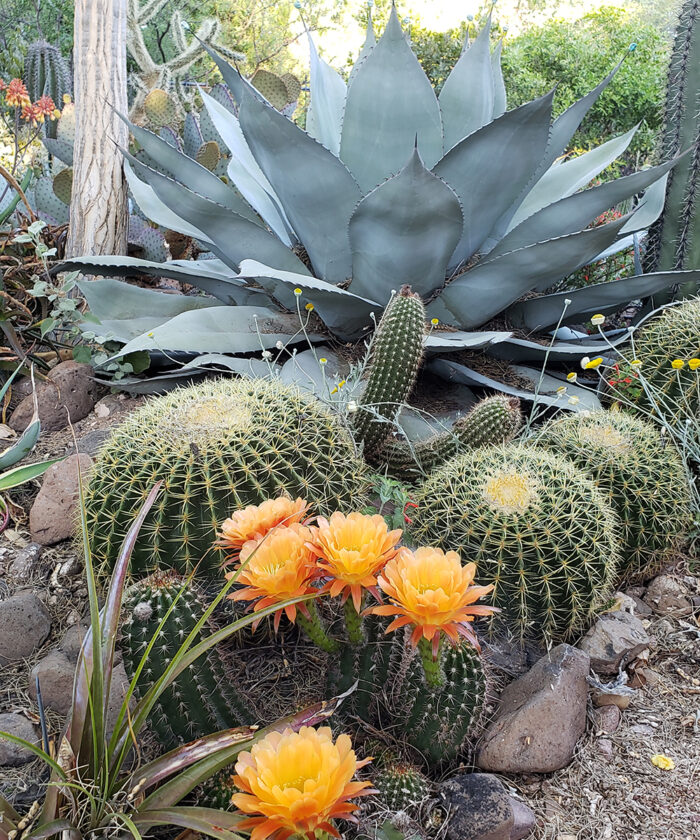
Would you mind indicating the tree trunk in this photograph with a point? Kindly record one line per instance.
(98, 209)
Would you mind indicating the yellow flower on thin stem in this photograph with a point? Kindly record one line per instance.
(254, 521)
(293, 784)
(351, 551)
(431, 590)
(694, 364)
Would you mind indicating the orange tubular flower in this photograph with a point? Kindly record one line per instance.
(433, 591)
(254, 521)
(32, 114)
(17, 95)
(46, 106)
(352, 550)
(295, 783)
(280, 567)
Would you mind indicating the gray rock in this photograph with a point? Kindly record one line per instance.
(72, 640)
(641, 610)
(53, 515)
(479, 807)
(604, 747)
(26, 562)
(68, 394)
(93, 441)
(24, 626)
(614, 640)
(13, 755)
(55, 672)
(541, 716)
(607, 719)
(524, 820)
(666, 595)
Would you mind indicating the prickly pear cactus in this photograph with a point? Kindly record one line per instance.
(63, 185)
(395, 358)
(493, 420)
(208, 155)
(202, 700)
(217, 446)
(641, 476)
(160, 108)
(535, 525)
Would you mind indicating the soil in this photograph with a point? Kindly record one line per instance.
(611, 789)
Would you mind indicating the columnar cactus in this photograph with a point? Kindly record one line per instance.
(535, 525)
(674, 241)
(46, 72)
(396, 354)
(203, 699)
(493, 420)
(641, 476)
(402, 787)
(216, 446)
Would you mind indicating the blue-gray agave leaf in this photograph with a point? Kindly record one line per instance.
(484, 190)
(499, 86)
(324, 119)
(317, 191)
(390, 102)
(404, 231)
(467, 97)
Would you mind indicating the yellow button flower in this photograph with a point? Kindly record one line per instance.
(663, 762)
(591, 364)
(434, 321)
(254, 521)
(677, 364)
(693, 364)
(597, 320)
(433, 591)
(571, 377)
(295, 783)
(635, 363)
(279, 567)
(352, 550)
(309, 307)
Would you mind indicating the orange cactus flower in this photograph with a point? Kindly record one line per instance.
(433, 591)
(254, 521)
(279, 567)
(295, 783)
(32, 114)
(352, 550)
(16, 94)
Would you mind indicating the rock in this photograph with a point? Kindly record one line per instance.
(541, 717)
(93, 441)
(479, 807)
(26, 562)
(68, 394)
(666, 595)
(604, 746)
(523, 820)
(615, 639)
(24, 626)
(607, 719)
(54, 513)
(621, 697)
(12, 755)
(72, 640)
(641, 609)
(55, 672)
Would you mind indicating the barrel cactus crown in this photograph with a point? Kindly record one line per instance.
(536, 527)
(639, 473)
(673, 335)
(216, 446)
(199, 702)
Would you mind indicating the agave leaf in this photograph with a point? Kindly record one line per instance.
(254, 368)
(455, 372)
(566, 178)
(467, 97)
(22, 447)
(244, 171)
(575, 212)
(390, 102)
(522, 350)
(344, 312)
(317, 191)
(367, 47)
(544, 311)
(305, 371)
(328, 91)
(404, 231)
(499, 87)
(219, 329)
(233, 238)
(18, 475)
(153, 208)
(445, 342)
(212, 276)
(486, 190)
(488, 288)
(190, 173)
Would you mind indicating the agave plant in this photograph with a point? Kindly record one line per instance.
(471, 204)
(97, 788)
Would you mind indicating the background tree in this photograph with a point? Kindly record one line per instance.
(98, 210)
